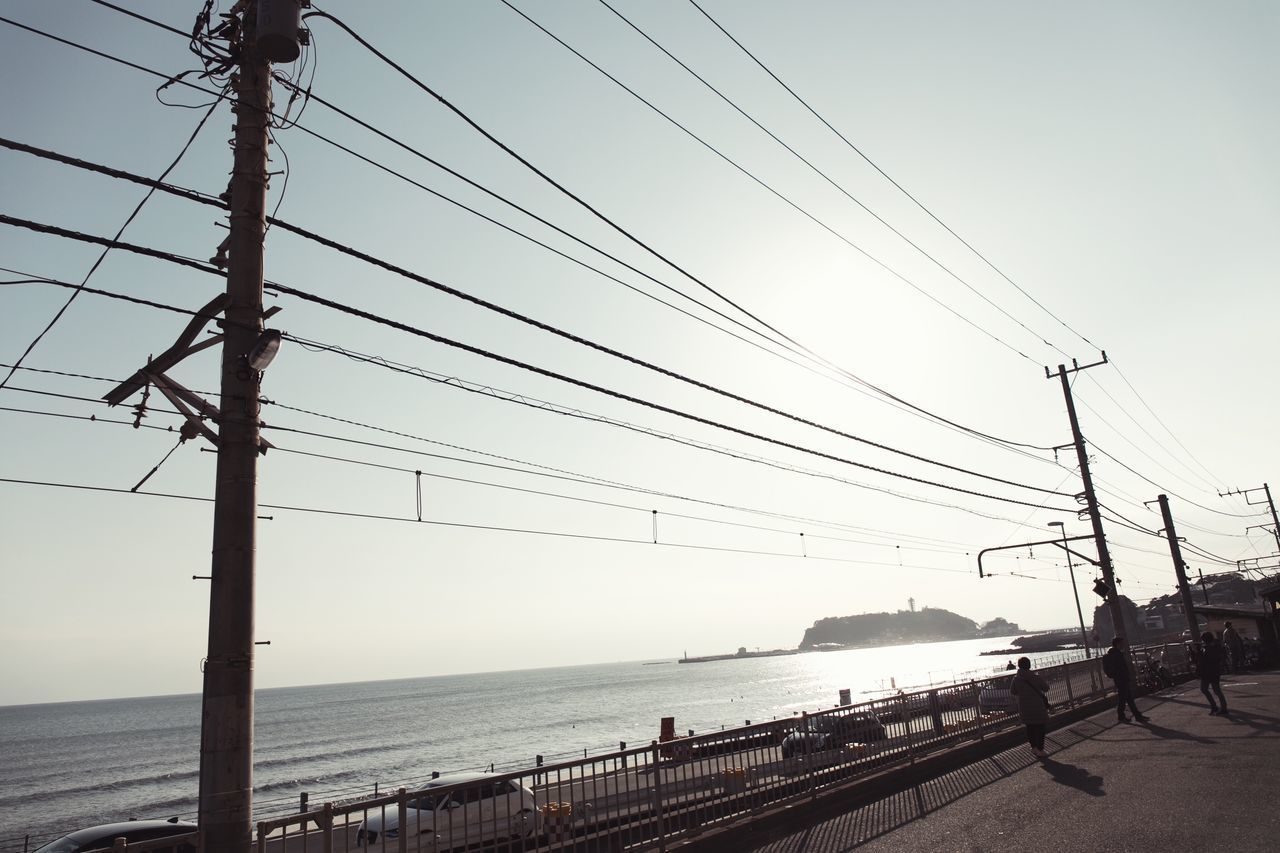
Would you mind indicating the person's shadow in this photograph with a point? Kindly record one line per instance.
(1074, 777)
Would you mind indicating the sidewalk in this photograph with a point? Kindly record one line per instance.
(1186, 781)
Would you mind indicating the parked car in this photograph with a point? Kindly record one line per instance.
(482, 811)
(995, 696)
(103, 837)
(830, 731)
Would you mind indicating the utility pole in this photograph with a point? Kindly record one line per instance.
(1091, 499)
(1275, 520)
(226, 725)
(1184, 588)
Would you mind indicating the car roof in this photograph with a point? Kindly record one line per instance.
(457, 779)
(126, 827)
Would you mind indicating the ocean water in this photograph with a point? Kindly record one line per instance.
(68, 765)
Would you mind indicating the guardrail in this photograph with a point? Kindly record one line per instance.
(646, 797)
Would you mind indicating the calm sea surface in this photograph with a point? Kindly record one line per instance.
(73, 764)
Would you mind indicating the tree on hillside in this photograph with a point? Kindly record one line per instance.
(999, 627)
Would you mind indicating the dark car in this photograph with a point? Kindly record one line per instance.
(103, 837)
(830, 731)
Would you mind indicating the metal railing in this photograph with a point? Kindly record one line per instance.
(643, 798)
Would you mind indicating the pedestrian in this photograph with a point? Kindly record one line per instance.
(1116, 667)
(1009, 666)
(1210, 667)
(1033, 704)
(1235, 648)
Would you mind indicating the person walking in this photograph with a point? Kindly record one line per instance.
(1235, 648)
(1210, 666)
(1033, 704)
(1115, 667)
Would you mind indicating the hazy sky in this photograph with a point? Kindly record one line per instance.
(1116, 161)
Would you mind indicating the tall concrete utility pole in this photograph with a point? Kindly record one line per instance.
(1175, 551)
(226, 725)
(1091, 499)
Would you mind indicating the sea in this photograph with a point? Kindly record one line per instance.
(68, 765)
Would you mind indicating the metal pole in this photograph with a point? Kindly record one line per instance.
(226, 733)
(1071, 569)
(1175, 551)
(1275, 520)
(1091, 502)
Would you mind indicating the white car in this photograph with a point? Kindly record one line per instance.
(484, 809)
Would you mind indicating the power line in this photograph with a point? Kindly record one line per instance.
(795, 348)
(515, 398)
(201, 198)
(873, 165)
(728, 160)
(103, 256)
(1154, 440)
(1153, 414)
(422, 333)
(839, 188)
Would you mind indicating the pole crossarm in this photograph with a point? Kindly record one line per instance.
(1057, 542)
(181, 348)
(1075, 366)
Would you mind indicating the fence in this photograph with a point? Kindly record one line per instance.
(644, 797)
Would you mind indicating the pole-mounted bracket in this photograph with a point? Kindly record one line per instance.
(194, 409)
(1059, 542)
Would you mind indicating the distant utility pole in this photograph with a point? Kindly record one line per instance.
(1091, 499)
(1179, 567)
(1275, 520)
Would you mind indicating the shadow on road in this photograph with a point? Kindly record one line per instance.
(1074, 777)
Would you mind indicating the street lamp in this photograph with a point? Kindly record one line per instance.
(1084, 637)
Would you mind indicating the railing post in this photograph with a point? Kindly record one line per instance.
(1071, 694)
(262, 836)
(978, 722)
(302, 803)
(622, 747)
(907, 718)
(806, 753)
(656, 758)
(326, 827)
(402, 810)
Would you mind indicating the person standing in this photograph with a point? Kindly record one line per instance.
(1116, 667)
(1235, 648)
(1210, 667)
(1033, 704)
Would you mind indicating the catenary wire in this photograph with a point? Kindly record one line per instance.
(369, 516)
(809, 535)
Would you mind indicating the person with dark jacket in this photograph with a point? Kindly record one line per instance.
(1033, 704)
(1116, 667)
(1234, 647)
(1210, 668)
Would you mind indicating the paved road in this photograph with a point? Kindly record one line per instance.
(1186, 782)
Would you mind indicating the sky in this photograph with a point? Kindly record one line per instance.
(844, 277)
